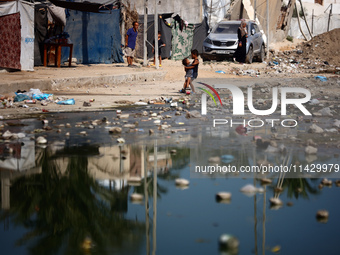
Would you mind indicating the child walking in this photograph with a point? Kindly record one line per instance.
(188, 67)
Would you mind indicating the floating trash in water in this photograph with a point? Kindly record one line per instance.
(275, 201)
(322, 216)
(223, 196)
(121, 140)
(251, 189)
(265, 181)
(41, 140)
(182, 182)
(229, 243)
(135, 197)
(227, 158)
(276, 249)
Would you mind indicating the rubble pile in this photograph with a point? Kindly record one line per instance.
(319, 55)
(324, 47)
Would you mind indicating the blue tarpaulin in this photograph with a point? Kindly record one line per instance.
(96, 37)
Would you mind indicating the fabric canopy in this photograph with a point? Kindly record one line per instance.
(88, 6)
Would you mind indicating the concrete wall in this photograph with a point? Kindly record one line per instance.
(189, 10)
(309, 5)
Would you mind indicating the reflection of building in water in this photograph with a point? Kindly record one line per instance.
(110, 165)
(16, 159)
(123, 162)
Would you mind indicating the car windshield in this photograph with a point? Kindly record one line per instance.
(226, 29)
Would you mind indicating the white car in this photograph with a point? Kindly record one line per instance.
(222, 41)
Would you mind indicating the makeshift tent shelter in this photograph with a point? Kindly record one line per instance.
(48, 21)
(9, 45)
(94, 30)
(88, 6)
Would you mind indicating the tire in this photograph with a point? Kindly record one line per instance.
(262, 54)
(250, 55)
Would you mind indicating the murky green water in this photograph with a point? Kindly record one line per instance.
(73, 195)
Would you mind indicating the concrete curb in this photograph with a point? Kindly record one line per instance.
(55, 84)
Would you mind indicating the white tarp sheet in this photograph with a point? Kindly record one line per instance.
(57, 14)
(26, 10)
(320, 24)
(215, 10)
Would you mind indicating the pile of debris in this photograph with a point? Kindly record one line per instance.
(319, 55)
(34, 97)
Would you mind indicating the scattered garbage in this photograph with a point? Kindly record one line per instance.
(321, 78)
(67, 102)
(314, 101)
(220, 71)
(141, 103)
(42, 96)
(30, 102)
(21, 97)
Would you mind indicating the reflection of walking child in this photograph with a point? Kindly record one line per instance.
(194, 68)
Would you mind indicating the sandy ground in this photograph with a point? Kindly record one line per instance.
(107, 96)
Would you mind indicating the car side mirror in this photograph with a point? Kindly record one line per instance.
(253, 31)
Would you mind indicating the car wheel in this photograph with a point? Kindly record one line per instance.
(250, 55)
(262, 54)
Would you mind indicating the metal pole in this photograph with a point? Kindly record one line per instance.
(145, 34)
(254, 9)
(329, 17)
(154, 219)
(304, 16)
(298, 19)
(210, 14)
(267, 29)
(146, 202)
(312, 20)
(156, 36)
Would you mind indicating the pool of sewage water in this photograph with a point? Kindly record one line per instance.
(77, 193)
